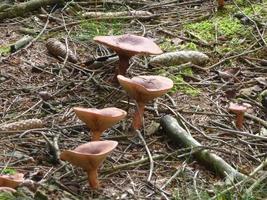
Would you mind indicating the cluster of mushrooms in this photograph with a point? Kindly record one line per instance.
(142, 89)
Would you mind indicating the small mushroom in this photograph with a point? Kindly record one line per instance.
(127, 46)
(220, 3)
(11, 181)
(98, 120)
(143, 89)
(239, 110)
(89, 157)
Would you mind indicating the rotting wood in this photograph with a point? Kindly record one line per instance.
(21, 43)
(217, 164)
(21, 9)
(134, 13)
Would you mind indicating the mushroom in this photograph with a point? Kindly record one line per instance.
(143, 89)
(220, 3)
(239, 110)
(11, 181)
(127, 46)
(89, 157)
(98, 120)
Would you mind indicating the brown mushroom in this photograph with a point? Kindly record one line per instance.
(127, 46)
(89, 157)
(11, 181)
(98, 120)
(220, 3)
(239, 110)
(143, 89)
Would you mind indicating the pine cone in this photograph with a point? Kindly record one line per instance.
(22, 125)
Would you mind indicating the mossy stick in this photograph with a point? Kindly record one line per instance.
(217, 164)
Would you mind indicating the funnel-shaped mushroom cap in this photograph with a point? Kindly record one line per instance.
(145, 88)
(236, 108)
(11, 181)
(100, 119)
(89, 157)
(129, 45)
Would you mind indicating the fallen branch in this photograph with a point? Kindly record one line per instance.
(216, 163)
(133, 13)
(21, 9)
(21, 43)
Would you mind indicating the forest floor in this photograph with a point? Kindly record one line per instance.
(236, 72)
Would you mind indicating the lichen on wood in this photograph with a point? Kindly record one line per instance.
(21, 9)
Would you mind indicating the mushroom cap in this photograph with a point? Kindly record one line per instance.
(130, 45)
(145, 88)
(236, 108)
(89, 156)
(11, 181)
(100, 119)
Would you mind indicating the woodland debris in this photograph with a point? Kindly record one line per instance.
(179, 57)
(239, 110)
(180, 136)
(22, 125)
(21, 43)
(133, 13)
(58, 49)
(21, 9)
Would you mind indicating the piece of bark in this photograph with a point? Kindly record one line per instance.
(20, 43)
(217, 164)
(21, 9)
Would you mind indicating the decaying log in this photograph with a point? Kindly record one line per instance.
(217, 164)
(133, 13)
(21, 9)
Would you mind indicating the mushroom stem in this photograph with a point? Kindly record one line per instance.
(239, 120)
(96, 135)
(124, 62)
(92, 178)
(138, 116)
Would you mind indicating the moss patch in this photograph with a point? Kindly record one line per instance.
(179, 84)
(89, 29)
(9, 171)
(226, 26)
(4, 50)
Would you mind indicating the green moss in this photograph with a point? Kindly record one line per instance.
(255, 9)
(9, 171)
(167, 45)
(189, 46)
(226, 26)
(6, 196)
(4, 50)
(89, 29)
(179, 83)
(204, 29)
